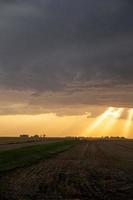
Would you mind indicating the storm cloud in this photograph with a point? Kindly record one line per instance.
(79, 51)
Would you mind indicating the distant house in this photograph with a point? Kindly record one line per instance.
(24, 136)
(36, 136)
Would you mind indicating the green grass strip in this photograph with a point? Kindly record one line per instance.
(25, 156)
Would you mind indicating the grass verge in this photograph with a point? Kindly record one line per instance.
(25, 156)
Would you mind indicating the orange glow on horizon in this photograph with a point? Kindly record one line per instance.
(106, 123)
(128, 122)
(112, 122)
(113, 119)
(99, 120)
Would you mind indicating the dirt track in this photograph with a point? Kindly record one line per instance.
(96, 170)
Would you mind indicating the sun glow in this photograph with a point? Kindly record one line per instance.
(105, 123)
(113, 121)
(128, 122)
(113, 118)
(99, 120)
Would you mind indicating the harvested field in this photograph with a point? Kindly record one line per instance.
(96, 170)
(14, 140)
(7, 143)
(25, 144)
(14, 158)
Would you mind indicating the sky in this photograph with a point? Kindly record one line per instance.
(61, 61)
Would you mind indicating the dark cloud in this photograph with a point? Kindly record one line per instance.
(67, 46)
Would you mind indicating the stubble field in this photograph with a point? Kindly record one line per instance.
(94, 170)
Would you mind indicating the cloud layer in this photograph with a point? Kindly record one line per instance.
(79, 52)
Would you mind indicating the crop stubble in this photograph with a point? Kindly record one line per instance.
(90, 170)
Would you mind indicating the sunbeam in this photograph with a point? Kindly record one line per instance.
(99, 120)
(128, 122)
(114, 116)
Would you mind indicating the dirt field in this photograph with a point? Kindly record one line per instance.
(7, 143)
(16, 146)
(94, 170)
